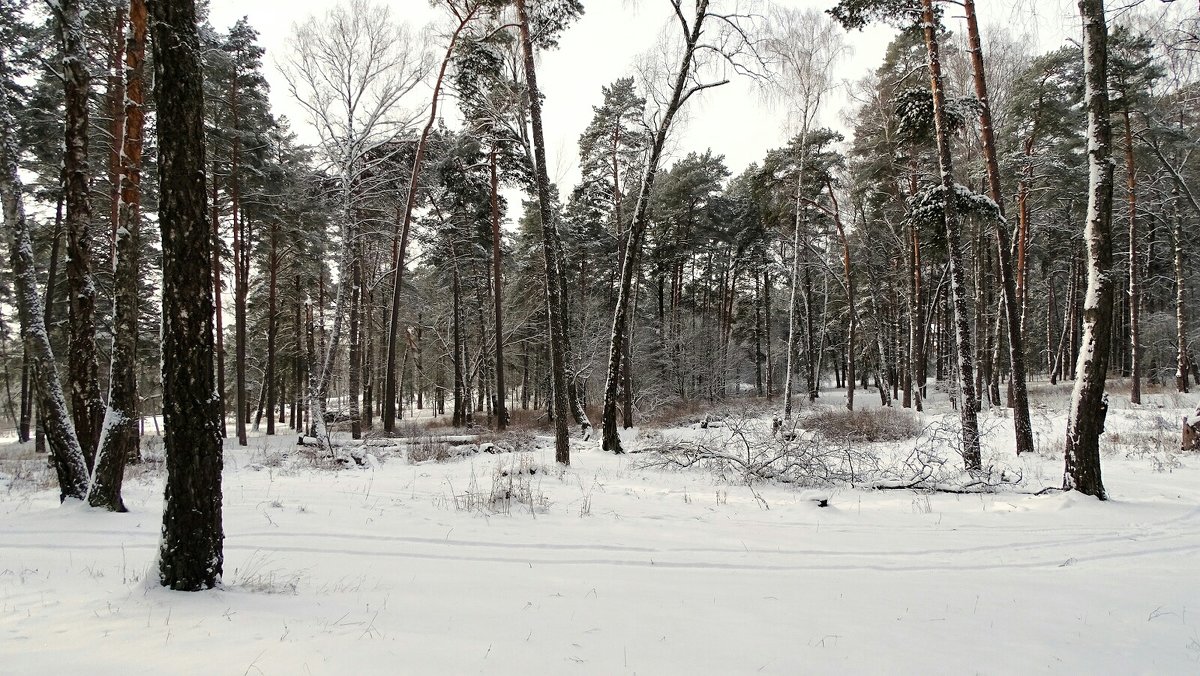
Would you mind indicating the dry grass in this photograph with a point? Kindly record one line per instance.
(882, 424)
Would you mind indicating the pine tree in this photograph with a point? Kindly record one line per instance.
(191, 553)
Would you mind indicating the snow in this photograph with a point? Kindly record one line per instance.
(623, 569)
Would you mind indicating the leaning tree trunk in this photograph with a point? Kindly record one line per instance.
(119, 438)
(393, 328)
(191, 556)
(65, 451)
(1089, 405)
(554, 302)
(637, 230)
(969, 402)
(87, 408)
(1013, 302)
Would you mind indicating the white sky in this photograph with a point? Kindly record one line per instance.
(602, 47)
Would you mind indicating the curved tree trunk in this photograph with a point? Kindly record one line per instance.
(637, 229)
(65, 451)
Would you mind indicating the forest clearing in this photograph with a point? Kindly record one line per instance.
(554, 336)
(616, 565)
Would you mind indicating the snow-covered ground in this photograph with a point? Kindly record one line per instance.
(400, 568)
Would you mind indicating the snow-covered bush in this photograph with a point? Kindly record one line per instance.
(881, 424)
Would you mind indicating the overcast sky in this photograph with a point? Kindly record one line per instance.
(603, 45)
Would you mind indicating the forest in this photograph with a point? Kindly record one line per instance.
(967, 274)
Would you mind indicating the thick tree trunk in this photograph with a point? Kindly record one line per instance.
(87, 408)
(1088, 402)
(550, 247)
(65, 451)
(969, 403)
(119, 437)
(190, 552)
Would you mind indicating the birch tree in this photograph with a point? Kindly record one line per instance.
(350, 69)
(803, 46)
(1089, 404)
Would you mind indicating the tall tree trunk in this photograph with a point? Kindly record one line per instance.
(218, 315)
(550, 247)
(65, 451)
(847, 270)
(498, 296)
(1022, 425)
(1181, 336)
(356, 333)
(87, 408)
(241, 254)
(969, 403)
(389, 368)
(789, 374)
(637, 229)
(272, 323)
(115, 99)
(27, 386)
(1135, 290)
(1089, 405)
(191, 556)
(119, 438)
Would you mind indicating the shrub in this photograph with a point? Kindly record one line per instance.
(881, 424)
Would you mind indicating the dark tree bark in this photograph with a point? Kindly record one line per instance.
(680, 93)
(966, 366)
(54, 419)
(272, 324)
(550, 247)
(241, 267)
(355, 355)
(190, 553)
(847, 270)
(389, 365)
(498, 297)
(1012, 300)
(87, 408)
(1135, 289)
(1089, 404)
(218, 315)
(119, 439)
